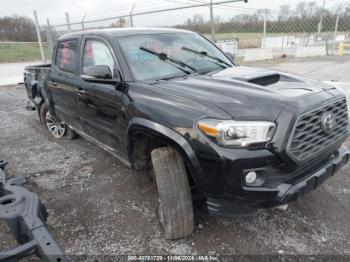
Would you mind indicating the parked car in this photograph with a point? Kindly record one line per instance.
(169, 102)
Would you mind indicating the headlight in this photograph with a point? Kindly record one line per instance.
(237, 133)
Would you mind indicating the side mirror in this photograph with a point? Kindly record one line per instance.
(99, 74)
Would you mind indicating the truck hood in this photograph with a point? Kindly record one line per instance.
(246, 92)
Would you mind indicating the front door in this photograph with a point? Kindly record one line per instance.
(100, 104)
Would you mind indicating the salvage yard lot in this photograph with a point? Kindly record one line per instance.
(95, 208)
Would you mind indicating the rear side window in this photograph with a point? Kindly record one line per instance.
(66, 57)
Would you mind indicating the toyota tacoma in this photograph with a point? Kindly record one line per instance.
(174, 107)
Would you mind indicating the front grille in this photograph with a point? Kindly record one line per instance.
(308, 137)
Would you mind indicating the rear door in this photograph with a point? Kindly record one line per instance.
(62, 81)
(100, 104)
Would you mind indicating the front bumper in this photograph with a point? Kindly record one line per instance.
(285, 192)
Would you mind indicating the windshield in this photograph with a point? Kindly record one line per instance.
(187, 51)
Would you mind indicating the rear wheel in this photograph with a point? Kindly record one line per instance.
(175, 201)
(56, 127)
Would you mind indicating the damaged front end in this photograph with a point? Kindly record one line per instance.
(26, 216)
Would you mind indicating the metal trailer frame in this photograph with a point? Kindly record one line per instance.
(25, 216)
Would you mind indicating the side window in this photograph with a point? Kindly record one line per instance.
(97, 53)
(66, 55)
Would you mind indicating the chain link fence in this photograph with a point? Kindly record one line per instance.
(250, 31)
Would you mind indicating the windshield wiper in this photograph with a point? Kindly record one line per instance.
(173, 61)
(170, 77)
(204, 53)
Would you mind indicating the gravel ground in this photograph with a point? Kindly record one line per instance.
(95, 209)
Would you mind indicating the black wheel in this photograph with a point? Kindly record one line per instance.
(56, 128)
(175, 201)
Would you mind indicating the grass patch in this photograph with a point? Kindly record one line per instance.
(17, 52)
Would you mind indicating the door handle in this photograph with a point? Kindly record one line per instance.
(53, 83)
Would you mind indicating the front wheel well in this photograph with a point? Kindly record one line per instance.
(140, 147)
(142, 143)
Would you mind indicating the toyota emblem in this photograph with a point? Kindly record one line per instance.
(328, 122)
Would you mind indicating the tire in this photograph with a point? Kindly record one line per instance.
(54, 126)
(175, 201)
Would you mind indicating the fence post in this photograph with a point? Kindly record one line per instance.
(68, 22)
(212, 21)
(319, 27)
(39, 37)
(264, 30)
(130, 15)
(49, 36)
(335, 34)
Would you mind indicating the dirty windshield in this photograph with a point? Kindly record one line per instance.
(145, 65)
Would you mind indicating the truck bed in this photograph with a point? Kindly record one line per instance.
(35, 79)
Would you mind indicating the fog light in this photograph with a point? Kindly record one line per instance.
(250, 177)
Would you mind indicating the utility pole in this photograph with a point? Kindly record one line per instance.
(212, 21)
(49, 36)
(264, 32)
(68, 22)
(335, 33)
(319, 28)
(39, 36)
(130, 14)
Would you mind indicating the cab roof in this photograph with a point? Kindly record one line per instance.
(113, 32)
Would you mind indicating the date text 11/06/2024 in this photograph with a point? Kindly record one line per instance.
(173, 258)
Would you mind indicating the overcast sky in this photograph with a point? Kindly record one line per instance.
(55, 10)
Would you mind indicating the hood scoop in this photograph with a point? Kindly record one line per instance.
(264, 80)
(258, 76)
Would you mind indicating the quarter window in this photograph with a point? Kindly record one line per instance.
(66, 56)
(97, 53)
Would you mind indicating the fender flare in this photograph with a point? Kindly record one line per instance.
(171, 138)
(43, 96)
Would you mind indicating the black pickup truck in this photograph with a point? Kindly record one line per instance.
(174, 107)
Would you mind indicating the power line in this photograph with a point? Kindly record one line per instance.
(245, 9)
(129, 6)
(249, 9)
(123, 13)
(120, 10)
(153, 12)
(223, 5)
